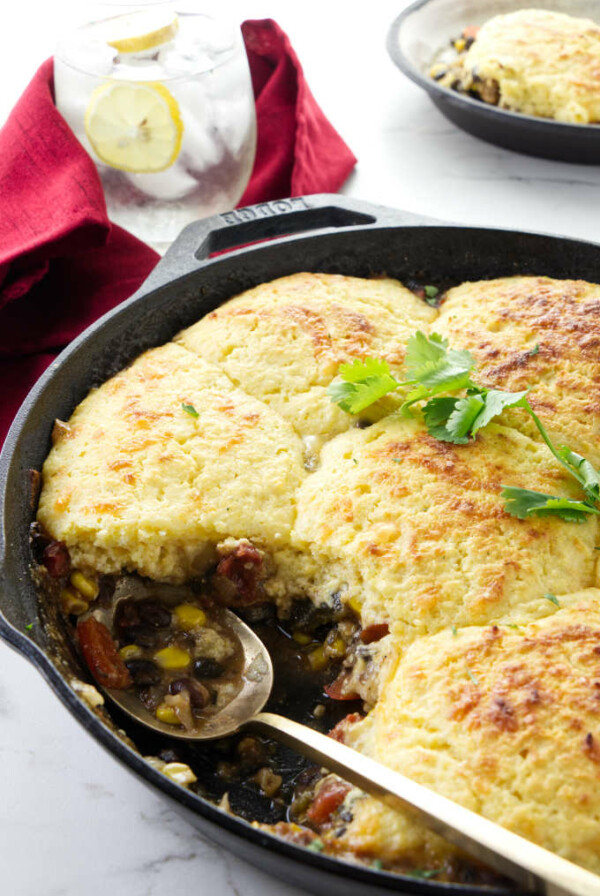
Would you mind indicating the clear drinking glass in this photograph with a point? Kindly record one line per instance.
(161, 98)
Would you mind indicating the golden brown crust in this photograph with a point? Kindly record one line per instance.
(416, 531)
(538, 333)
(504, 720)
(284, 341)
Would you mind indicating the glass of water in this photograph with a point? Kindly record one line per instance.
(161, 98)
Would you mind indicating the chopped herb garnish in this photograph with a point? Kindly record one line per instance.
(29, 627)
(316, 846)
(433, 369)
(513, 625)
(190, 409)
(473, 678)
(534, 351)
(354, 460)
(431, 293)
(377, 864)
(553, 599)
(454, 631)
(424, 874)
(398, 460)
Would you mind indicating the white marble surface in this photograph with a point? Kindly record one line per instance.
(72, 821)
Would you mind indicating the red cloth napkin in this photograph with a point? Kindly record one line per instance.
(63, 264)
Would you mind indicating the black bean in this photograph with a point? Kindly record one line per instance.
(142, 635)
(261, 612)
(207, 668)
(143, 672)
(39, 541)
(126, 616)
(153, 613)
(199, 695)
(169, 755)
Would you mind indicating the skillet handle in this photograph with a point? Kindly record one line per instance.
(199, 243)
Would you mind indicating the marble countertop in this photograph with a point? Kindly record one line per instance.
(73, 822)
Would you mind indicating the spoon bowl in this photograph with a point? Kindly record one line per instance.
(256, 677)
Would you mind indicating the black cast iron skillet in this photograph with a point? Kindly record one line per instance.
(427, 26)
(319, 233)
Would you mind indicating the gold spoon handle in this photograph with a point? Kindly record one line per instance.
(535, 869)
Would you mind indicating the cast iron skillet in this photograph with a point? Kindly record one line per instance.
(319, 233)
(428, 26)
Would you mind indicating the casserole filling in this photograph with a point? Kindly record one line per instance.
(429, 625)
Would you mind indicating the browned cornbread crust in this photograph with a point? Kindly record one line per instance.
(538, 333)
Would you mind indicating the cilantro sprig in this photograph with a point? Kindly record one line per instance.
(363, 383)
(434, 370)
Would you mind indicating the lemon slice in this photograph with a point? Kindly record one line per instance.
(140, 31)
(134, 126)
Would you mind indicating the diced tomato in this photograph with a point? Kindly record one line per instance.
(336, 691)
(471, 31)
(339, 731)
(56, 559)
(242, 568)
(101, 655)
(329, 798)
(374, 632)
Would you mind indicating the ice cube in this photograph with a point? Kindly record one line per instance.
(173, 183)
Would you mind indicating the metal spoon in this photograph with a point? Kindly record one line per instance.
(534, 869)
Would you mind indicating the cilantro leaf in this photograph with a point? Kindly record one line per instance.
(431, 291)
(451, 419)
(190, 409)
(363, 383)
(495, 401)
(429, 362)
(553, 599)
(458, 419)
(523, 503)
(583, 470)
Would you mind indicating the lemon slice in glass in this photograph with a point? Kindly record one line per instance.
(141, 31)
(134, 126)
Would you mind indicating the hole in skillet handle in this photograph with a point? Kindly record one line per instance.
(246, 231)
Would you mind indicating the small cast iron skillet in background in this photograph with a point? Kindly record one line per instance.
(330, 234)
(423, 29)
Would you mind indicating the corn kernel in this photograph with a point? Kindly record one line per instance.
(72, 603)
(189, 616)
(130, 652)
(301, 638)
(355, 604)
(86, 586)
(337, 648)
(180, 773)
(172, 658)
(317, 658)
(166, 714)
(459, 44)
